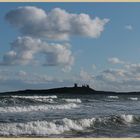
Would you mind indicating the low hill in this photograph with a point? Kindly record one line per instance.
(67, 90)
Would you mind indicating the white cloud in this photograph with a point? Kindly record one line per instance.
(56, 24)
(110, 80)
(129, 27)
(115, 60)
(125, 79)
(115, 72)
(37, 25)
(133, 71)
(58, 54)
(24, 50)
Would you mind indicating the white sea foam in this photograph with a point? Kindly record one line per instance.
(113, 97)
(37, 108)
(122, 119)
(133, 98)
(127, 118)
(73, 100)
(43, 128)
(35, 97)
(44, 100)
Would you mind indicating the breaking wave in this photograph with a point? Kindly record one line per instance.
(113, 97)
(45, 100)
(133, 98)
(128, 118)
(35, 97)
(73, 100)
(44, 128)
(37, 108)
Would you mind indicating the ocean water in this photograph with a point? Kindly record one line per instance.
(70, 116)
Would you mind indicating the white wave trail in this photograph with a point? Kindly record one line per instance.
(113, 97)
(127, 118)
(35, 97)
(133, 98)
(73, 100)
(43, 128)
(78, 124)
(37, 108)
(44, 100)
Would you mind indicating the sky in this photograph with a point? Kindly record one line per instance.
(48, 45)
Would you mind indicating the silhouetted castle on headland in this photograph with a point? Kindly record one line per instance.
(75, 90)
(83, 86)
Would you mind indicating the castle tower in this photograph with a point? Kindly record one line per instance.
(75, 85)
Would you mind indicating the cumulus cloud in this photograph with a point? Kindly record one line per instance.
(110, 80)
(133, 71)
(56, 24)
(37, 25)
(129, 27)
(135, 68)
(115, 60)
(126, 78)
(25, 49)
(115, 72)
(22, 51)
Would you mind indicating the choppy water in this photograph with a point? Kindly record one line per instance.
(70, 116)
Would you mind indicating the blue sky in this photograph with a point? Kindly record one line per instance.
(109, 61)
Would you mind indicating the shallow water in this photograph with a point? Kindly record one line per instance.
(70, 116)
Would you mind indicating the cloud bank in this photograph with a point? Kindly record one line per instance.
(25, 49)
(124, 78)
(38, 26)
(57, 24)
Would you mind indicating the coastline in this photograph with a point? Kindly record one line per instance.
(66, 90)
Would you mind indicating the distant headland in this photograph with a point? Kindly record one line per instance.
(75, 90)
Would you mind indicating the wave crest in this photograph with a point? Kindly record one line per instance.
(73, 100)
(44, 128)
(37, 108)
(35, 97)
(113, 97)
(133, 98)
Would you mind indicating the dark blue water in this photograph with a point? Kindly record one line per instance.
(70, 116)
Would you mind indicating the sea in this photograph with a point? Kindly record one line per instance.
(70, 115)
